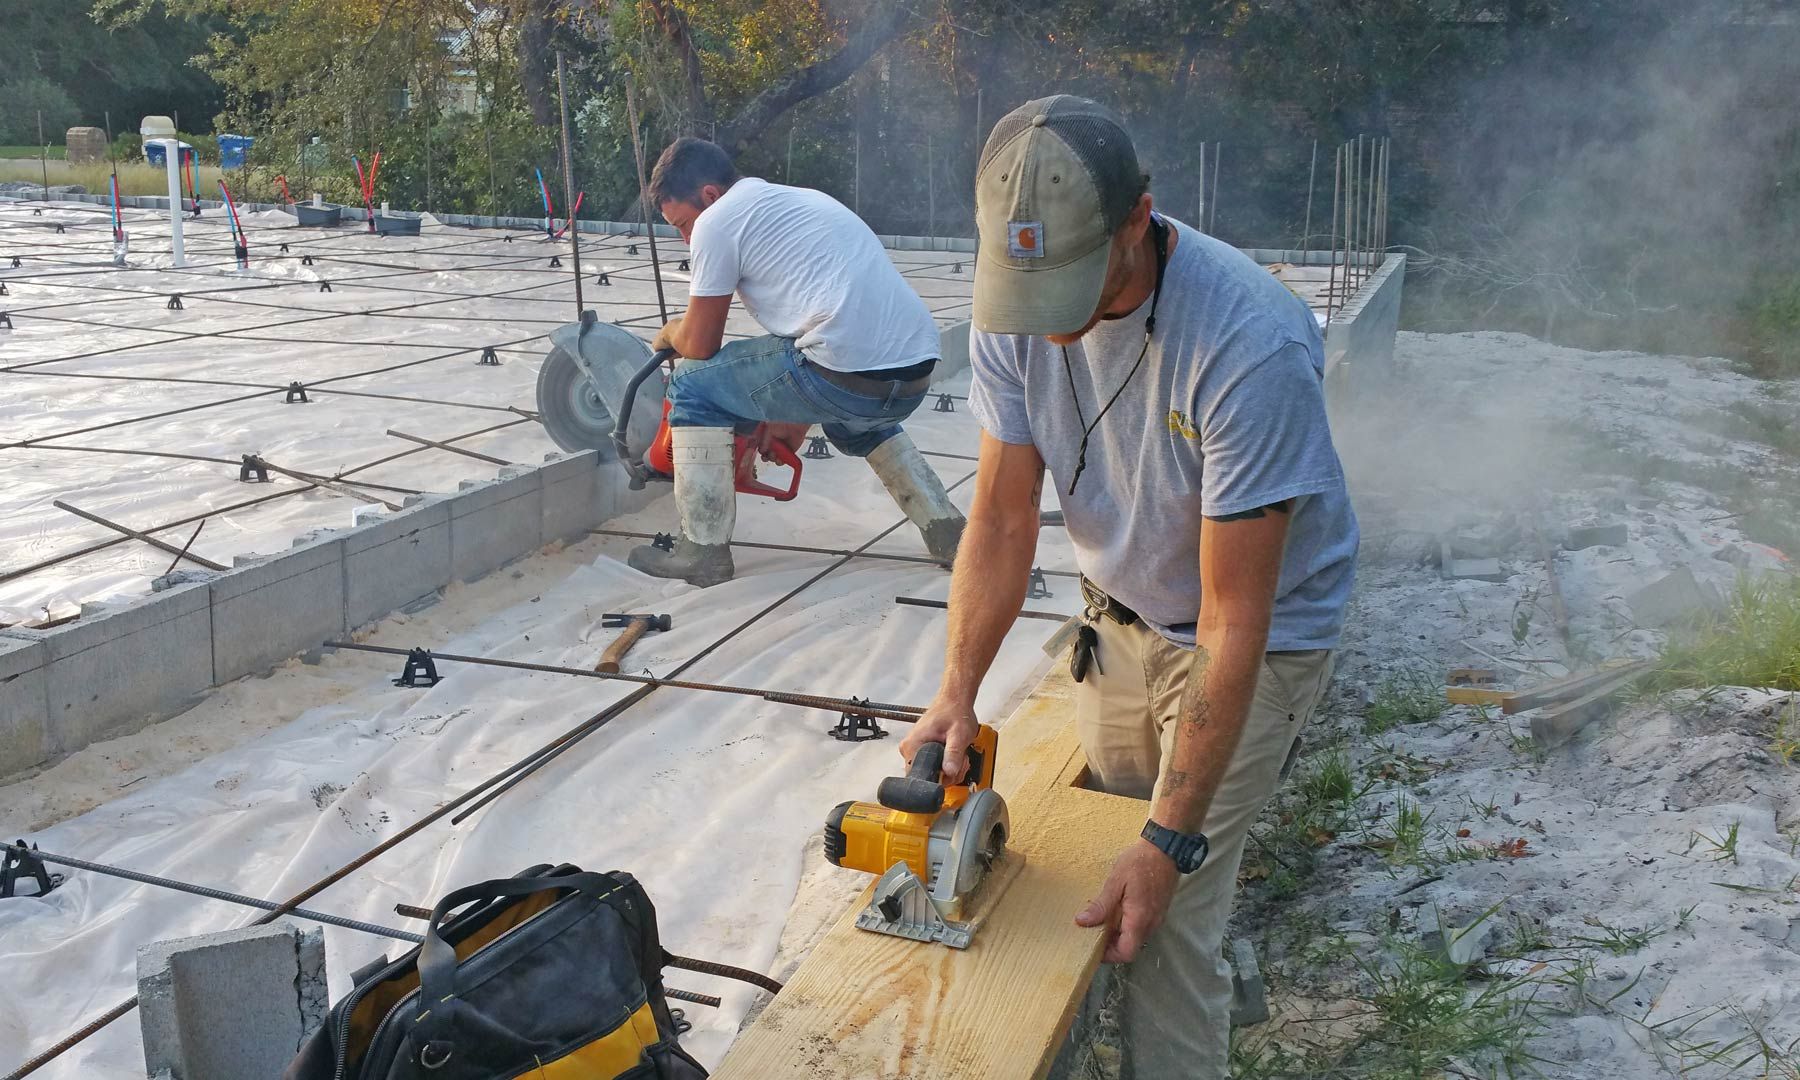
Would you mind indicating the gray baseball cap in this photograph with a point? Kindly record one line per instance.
(1057, 178)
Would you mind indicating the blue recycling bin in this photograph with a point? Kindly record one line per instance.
(153, 152)
(233, 149)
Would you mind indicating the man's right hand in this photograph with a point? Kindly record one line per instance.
(950, 723)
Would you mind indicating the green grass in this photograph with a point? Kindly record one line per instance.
(1722, 847)
(1618, 940)
(1419, 1017)
(55, 153)
(1409, 696)
(1754, 642)
(133, 179)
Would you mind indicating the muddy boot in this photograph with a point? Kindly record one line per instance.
(920, 494)
(706, 497)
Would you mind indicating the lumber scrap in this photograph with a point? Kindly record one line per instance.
(867, 1006)
(1570, 687)
(1477, 695)
(1558, 724)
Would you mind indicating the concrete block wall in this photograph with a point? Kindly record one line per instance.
(1359, 341)
(120, 667)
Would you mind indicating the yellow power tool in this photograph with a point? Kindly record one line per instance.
(931, 842)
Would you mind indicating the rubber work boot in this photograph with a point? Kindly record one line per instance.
(706, 498)
(920, 494)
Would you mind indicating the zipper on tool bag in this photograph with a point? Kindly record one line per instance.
(342, 1042)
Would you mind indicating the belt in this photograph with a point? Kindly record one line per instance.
(899, 382)
(1100, 604)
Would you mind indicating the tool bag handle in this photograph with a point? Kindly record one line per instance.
(436, 1019)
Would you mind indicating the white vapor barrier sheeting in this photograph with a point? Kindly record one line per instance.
(707, 798)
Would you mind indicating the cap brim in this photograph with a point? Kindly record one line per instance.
(1062, 300)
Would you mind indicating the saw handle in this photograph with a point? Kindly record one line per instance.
(780, 452)
(921, 790)
(621, 439)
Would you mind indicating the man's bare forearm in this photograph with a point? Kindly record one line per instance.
(987, 589)
(1214, 710)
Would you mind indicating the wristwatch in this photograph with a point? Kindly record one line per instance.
(1187, 849)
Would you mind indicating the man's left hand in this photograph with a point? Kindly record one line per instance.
(1132, 903)
(665, 338)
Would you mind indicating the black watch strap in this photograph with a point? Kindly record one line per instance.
(1188, 850)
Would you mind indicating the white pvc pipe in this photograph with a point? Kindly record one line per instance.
(173, 159)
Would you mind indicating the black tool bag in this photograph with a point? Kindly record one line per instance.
(554, 974)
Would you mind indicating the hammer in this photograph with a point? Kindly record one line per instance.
(636, 626)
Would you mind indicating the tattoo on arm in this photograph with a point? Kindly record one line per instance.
(1281, 507)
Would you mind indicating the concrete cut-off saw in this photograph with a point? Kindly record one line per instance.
(934, 844)
(601, 388)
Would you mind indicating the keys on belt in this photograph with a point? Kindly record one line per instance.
(1086, 650)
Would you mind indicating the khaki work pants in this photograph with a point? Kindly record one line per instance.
(1176, 1019)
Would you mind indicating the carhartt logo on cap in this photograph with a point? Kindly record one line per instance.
(1025, 239)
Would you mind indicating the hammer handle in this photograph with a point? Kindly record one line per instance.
(609, 660)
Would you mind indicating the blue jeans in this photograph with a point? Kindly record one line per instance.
(766, 379)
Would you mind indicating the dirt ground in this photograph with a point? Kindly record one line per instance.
(1629, 898)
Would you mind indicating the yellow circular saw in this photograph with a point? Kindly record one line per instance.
(932, 843)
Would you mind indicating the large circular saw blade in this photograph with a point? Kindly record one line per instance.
(582, 384)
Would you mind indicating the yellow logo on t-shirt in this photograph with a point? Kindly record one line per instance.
(1179, 424)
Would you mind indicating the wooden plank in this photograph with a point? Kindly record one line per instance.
(864, 1006)
(1570, 687)
(1476, 695)
(1555, 726)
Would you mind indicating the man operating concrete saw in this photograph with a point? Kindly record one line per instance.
(1174, 390)
(850, 346)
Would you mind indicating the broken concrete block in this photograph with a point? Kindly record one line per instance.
(1473, 570)
(1676, 598)
(1462, 946)
(230, 1005)
(1595, 536)
(1249, 998)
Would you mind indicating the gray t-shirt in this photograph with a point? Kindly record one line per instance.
(1227, 414)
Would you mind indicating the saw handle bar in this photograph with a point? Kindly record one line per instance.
(780, 453)
(921, 790)
(621, 441)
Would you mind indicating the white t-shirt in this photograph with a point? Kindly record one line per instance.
(807, 268)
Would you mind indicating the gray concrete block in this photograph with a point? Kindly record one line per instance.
(277, 607)
(391, 562)
(234, 1005)
(570, 489)
(1249, 998)
(24, 705)
(494, 522)
(1595, 536)
(1673, 599)
(116, 669)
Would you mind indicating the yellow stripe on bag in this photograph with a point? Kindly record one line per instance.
(618, 1051)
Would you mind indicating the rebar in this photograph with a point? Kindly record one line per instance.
(1212, 215)
(637, 150)
(217, 894)
(1337, 183)
(526, 768)
(685, 963)
(922, 560)
(1312, 175)
(879, 710)
(568, 169)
